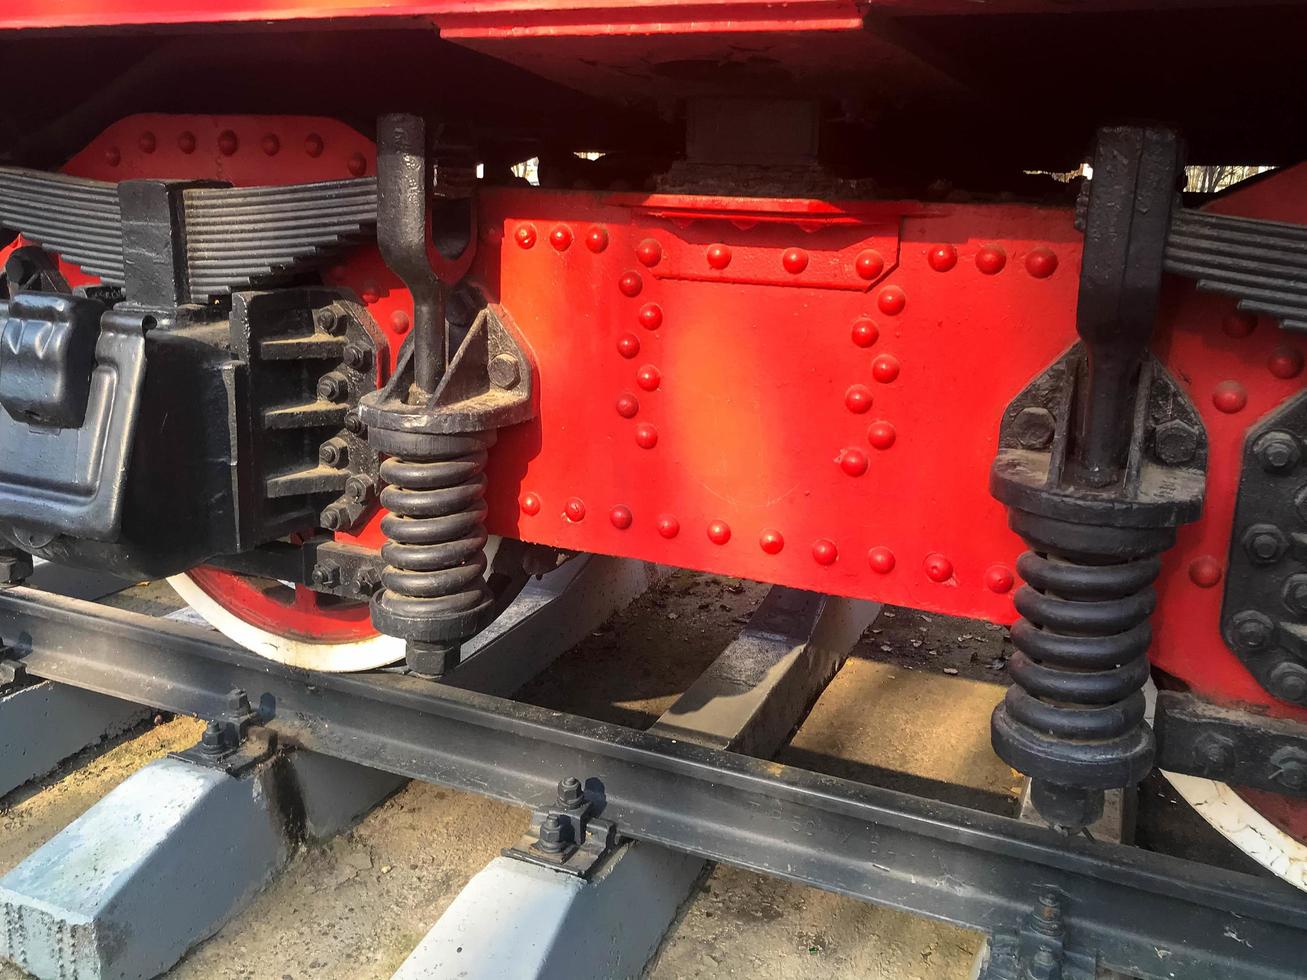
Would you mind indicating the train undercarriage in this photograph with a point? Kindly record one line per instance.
(817, 294)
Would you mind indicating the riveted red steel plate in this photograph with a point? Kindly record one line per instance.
(827, 424)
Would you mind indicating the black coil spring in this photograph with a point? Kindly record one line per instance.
(1075, 714)
(434, 587)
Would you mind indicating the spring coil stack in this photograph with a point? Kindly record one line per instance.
(434, 592)
(1075, 713)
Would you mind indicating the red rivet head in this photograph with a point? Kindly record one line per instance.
(646, 436)
(771, 541)
(399, 321)
(313, 145)
(998, 578)
(1041, 262)
(719, 256)
(938, 568)
(853, 462)
(630, 284)
(1238, 325)
(649, 378)
(858, 399)
(824, 551)
(795, 260)
(371, 292)
(1229, 397)
(649, 252)
(1285, 362)
(869, 264)
(530, 504)
(1205, 572)
(146, 143)
(668, 526)
(357, 164)
(651, 316)
(628, 345)
(228, 143)
(574, 510)
(561, 238)
(881, 560)
(525, 236)
(596, 239)
(942, 258)
(891, 300)
(881, 434)
(621, 517)
(719, 532)
(627, 405)
(865, 333)
(271, 145)
(112, 156)
(186, 142)
(885, 368)
(991, 259)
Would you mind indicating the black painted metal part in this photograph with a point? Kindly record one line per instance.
(435, 418)
(1100, 458)
(1145, 914)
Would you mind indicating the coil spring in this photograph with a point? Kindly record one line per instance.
(434, 589)
(1075, 715)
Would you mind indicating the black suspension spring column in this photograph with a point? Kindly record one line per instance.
(1100, 459)
(435, 419)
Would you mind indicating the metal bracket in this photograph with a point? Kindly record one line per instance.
(567, 837)
(235, 741)
(1039, 951)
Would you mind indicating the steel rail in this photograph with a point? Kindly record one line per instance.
(1145, 914)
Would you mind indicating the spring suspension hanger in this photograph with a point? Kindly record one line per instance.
(1100, 459)
(436, 417)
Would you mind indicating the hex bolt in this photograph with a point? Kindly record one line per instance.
(334, 518)
(570, 794)
(1294, 594)
(354, 425)
(1289, 768)
(1288, 681)
(1251, 631)
(1175, 442)
(357, 357)
(1213, 751)
(333, 387)
(238, 701)
(504, 371)
(1033, 428)
(1265, 544)
(360, 488)
(334, 452)
(328, 321)
(1277, 451)
(551, 834)
(325, 576)
(213, 741)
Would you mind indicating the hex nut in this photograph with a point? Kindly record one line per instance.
(1033, 428)
(1277, 451)
(1289, 768)
(1251, 631)
(1265, 544)
(1288, 681)
(1294, 594)
(1213, 751)
(1175, 442)
(505, 371)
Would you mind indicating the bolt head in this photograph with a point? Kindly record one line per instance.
(1289, 768)
(1175, 442)
(1288, 681)
(354, 425)
(1251, 631)
(505, 372)
(1214, 751)
(328, 321)
(356, 357)
(570, 793)
(332, 388)
(1278, 452)
(1295, 594)
(1265, 544)
(325, 576)
(1033, 428)
(359, 489)
(333, 518)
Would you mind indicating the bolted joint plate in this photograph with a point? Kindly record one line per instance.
(1165, 475)
(488, 385)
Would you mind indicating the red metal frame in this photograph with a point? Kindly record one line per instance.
(792, 391)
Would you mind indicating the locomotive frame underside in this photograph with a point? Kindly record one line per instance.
(781, 329)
